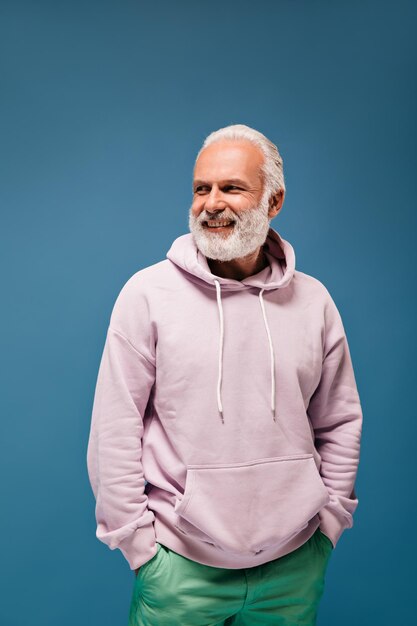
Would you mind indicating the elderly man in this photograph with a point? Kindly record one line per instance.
(226, 422)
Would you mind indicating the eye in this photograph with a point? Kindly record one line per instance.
(200, 188)
(232, 187)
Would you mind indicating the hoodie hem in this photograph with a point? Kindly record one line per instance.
(209, 554)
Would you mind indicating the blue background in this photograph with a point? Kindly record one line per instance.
(104, 106)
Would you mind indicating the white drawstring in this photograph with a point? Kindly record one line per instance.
(271, 351)
(219, 304)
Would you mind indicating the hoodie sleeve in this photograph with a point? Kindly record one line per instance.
(336, 416)
(125, 379)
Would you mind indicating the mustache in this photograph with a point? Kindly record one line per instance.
(218, 216)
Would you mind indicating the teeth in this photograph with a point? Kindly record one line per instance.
(217, 224)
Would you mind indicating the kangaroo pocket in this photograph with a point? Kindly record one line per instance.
(244, 508)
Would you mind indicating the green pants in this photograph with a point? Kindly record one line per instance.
(171, 590)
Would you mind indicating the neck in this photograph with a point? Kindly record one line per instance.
(240, 268)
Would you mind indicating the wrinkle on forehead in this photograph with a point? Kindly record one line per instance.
(227, 159)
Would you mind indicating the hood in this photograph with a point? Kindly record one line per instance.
(280, 254)
(278, 274)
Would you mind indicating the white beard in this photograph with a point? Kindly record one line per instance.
(249, 232)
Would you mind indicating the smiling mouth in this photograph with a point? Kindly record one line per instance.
(218, 225)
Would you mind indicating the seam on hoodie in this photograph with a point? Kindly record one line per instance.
(273, 459)
(117, 332)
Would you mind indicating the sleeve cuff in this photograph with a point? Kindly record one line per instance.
(332, 525)
(140, 546)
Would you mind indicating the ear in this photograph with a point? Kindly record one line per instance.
(275, 203)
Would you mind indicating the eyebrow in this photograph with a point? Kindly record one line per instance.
(230, 181)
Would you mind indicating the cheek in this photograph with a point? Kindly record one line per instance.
(240, 204)
(196, 207)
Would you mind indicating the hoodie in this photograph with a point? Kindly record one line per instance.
(226, 420)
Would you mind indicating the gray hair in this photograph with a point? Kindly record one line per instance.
(272, 168)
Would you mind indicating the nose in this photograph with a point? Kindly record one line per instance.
(214, 202)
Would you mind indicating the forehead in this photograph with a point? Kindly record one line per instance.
(230, 159)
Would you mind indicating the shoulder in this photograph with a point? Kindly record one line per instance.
(144, 280)
(311, 285)
(134, 297)
(315, 294)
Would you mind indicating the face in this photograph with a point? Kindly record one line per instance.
(229, 216)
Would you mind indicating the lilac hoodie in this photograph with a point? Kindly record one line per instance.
(226, 421)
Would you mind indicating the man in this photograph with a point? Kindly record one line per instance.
(226, 424)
